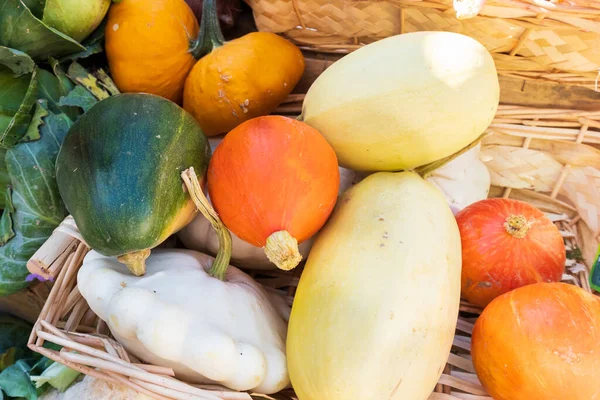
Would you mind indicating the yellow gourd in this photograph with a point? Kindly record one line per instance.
(377, 303)
(404, 101)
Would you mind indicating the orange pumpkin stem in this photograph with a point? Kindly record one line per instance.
(282, 250)
(210, 36)
(517, 226)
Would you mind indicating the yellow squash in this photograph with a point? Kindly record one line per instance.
(404, 101)
(376, 307)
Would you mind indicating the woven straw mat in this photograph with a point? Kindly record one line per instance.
(536, 36)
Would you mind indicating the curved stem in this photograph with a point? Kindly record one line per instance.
(210, 36)
(427, 169)
(135, 261)
(219, 267)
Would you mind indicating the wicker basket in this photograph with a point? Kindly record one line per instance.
(546, 157)
(550, 40)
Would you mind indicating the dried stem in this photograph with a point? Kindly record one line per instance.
(219, 267)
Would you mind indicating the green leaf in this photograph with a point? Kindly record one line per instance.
(79, 97)
(9, 357)
(14, 332)
(33, 130)
(6, 222)
(13, 91)
(65, 82)
(52, 87)
(57, 375)
(21, 119)
(38, 207)
(79, 74)
(18, 62)
(93, 44)
(36, 7)
(21, 30)
(15, 381)
(107, 82)
(4, 178)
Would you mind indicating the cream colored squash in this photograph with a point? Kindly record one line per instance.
(200, 235)
(404, 101)
(376, 308)
(464, 180)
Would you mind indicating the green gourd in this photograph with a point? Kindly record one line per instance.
(119, 174)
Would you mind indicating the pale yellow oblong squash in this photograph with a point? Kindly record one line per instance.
(377, 304)
(404, 101)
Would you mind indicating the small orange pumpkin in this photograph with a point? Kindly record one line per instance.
(148, 46)
(241, 79)
(541, 342)
(274, 182)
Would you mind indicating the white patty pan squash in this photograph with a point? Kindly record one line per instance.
(404, 101)
(377, 303)
(178, 316)
(199, 234)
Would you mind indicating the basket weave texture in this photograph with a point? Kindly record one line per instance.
(549, 158)
(551, 40)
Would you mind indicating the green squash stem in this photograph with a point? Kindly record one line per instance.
(219, 267)
(210, 36)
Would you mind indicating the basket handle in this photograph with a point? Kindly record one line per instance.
(50, 257)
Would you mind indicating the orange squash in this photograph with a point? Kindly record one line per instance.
(507, 244)
(274, 182)
(241, 79)
(148, 46)
(541, 342)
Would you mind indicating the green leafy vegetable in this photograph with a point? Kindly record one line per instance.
(17, 95)
(17, 61)
(36, 7)
(93, 44)
(15, 381)
(54, 86)
(9, 357)
(4, 178)
(21, 30)
(33, 131)
(79, 74)
(6, 224)
(14, 332)
(38, 207)
(79, 97)
(56, 375)
(14, 123)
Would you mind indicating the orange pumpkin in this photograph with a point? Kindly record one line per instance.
(148, 46)
(241, 79)
(540, 342)
(507, 244)
(274, 182)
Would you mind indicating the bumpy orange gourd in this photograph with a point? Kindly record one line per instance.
(541, 342)
(148, 46)
(241, 79)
